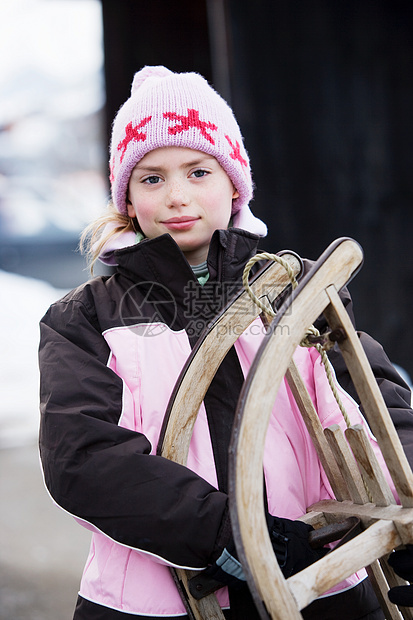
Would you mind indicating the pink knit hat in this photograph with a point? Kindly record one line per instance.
(180, 109)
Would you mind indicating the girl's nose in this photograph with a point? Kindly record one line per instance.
(178, 194)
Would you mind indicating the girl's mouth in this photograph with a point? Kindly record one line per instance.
(180, 223)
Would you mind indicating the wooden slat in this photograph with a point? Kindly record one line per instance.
(347, 464)
(206, 608)
(316, 519)
(381, 587)
(316, 432)
(394, 580)
(371, 471)
(371, 398)
(316, 579)
(369, 514)
(362, 454)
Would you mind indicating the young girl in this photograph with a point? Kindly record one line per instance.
(179, 232)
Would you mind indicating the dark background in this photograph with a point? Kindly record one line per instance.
(323, 92)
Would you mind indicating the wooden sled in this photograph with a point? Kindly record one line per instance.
(387, 525)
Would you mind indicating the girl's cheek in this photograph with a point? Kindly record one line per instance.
(145, 216)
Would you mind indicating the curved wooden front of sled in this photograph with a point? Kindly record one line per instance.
(387, 525)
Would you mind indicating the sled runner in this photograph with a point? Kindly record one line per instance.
(358, 482)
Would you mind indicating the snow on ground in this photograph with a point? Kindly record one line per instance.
(23, 303)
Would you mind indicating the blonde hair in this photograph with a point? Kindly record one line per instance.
(96, 235)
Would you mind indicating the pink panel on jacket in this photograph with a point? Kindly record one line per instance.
(149, 359)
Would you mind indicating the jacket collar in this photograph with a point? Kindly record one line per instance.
(161, 260)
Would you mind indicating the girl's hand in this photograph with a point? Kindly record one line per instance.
(290, 541)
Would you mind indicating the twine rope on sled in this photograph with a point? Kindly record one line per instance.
(312, 337)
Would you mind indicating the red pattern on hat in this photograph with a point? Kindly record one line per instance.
(132, 133)
(192, 120)
(236, 152)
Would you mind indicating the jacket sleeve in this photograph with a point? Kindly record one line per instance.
(104, 474)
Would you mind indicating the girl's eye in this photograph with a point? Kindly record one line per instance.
(200, 173)
(152, 180)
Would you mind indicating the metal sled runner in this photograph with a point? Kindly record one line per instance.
(354, 474)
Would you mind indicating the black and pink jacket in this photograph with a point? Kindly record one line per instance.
(110, 354)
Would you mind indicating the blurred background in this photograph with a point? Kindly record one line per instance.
(323, 92)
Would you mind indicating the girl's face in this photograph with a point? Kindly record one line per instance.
(182, 192)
